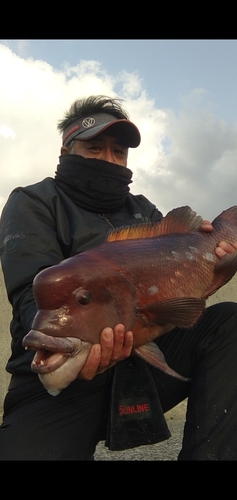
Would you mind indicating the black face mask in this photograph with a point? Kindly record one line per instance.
(94, 185)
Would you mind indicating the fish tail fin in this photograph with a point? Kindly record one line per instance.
(152, 354)
(230, 214)
(225, 269)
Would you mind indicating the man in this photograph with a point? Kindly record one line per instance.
(59, 217)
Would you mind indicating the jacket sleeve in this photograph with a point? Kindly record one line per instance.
(28, 244)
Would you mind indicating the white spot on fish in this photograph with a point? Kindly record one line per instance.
(193, 249)
(209, 256)
(189, 256)
(152, 290)
(175, 254)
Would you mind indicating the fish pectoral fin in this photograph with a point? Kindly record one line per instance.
(225, 269)
(182, 312)
(152, 354)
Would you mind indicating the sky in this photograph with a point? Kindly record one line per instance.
(182, 95)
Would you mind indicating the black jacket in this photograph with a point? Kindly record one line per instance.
(40, 226)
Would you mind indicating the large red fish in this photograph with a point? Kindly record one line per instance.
(151, 278)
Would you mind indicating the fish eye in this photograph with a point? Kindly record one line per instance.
(82, 297)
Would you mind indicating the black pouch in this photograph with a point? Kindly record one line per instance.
(135, 416)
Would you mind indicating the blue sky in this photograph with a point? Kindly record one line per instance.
(182, 94)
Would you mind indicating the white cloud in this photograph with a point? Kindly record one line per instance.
(6, 131)
(185, 159)
(202, 162)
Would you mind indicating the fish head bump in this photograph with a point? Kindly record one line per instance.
(81, 304)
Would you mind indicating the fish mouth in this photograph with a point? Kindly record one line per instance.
(51, 352)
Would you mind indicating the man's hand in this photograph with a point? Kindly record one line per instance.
(116, 345)
(206, 226)
(223, 247)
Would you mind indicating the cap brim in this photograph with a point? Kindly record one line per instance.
(127, 131)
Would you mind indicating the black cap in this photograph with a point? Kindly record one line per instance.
(91, 126)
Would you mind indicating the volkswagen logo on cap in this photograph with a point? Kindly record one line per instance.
(88, 122)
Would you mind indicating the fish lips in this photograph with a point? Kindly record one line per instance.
(51, 352)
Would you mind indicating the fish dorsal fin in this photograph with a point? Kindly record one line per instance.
(178, 220)
(148, 230)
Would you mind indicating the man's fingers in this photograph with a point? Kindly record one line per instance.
(125, 344)
(119, 336)
(92, 363)
(107, 344)
(224, 248)
(206, 226)
(116, 345)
